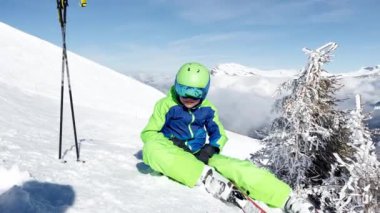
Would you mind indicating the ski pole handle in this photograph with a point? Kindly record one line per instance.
(83, 3)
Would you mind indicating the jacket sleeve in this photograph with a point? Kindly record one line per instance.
(157, 120)
(215, 129)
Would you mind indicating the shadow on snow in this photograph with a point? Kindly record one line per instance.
(142, 167)
(34, 196)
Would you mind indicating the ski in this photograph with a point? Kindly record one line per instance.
(225, 190)
(244, 202)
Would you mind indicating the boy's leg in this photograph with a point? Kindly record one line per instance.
(172, 161)
(258, 183)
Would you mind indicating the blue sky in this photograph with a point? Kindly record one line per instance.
(160, 35)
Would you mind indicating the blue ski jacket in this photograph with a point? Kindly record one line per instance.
(171, 120)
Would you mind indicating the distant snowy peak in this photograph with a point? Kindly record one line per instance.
(372, 71)
(237, 70)
(372, 68)
(233, 69)
(365, 72)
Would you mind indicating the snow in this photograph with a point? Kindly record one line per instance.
(233, 69)
(111, 110)
(12, 177)
(364, 72)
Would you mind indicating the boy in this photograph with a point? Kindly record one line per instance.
(175, 145)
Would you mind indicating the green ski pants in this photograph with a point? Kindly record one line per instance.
(174, 162)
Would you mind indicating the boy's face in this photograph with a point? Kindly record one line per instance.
(189, 102)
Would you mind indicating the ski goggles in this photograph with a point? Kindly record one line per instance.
(189, 92)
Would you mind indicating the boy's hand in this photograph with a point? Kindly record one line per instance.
(180, 144)
(206, 153)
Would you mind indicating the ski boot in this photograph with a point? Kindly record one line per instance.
(245, 203)
(297, 204)
(217, 185)
(223, 189)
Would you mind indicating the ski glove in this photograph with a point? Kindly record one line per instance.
(206, 152)
(180, 144)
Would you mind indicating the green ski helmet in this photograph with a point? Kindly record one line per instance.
(192, 81)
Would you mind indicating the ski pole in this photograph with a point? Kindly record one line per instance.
(62, 8)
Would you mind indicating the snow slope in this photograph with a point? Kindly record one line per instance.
(111, 110)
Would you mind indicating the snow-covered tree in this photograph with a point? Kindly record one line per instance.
(354, 184)
(300, 146)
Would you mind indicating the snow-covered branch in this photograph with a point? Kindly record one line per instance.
(357, 188)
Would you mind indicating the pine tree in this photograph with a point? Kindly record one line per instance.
(301, 143)
(354, 183)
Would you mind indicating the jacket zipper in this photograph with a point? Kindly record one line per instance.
(192, 121)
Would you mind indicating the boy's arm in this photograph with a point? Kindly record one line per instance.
(215, 130)
(156, 122)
